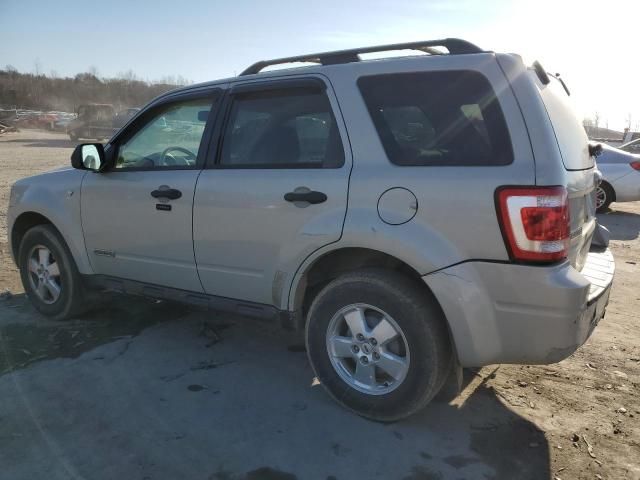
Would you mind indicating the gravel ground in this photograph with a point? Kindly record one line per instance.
(140, 389)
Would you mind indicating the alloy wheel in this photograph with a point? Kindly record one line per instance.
(44, 274)
(601, 197)
(368, 349)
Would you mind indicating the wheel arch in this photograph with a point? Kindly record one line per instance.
(23, 223)
(31, 218)
(321, 270)
(613, 190)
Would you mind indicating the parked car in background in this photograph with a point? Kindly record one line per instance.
(94, 121)
(632, 146)
(620, 177)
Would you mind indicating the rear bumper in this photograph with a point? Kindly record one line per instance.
(507, 313)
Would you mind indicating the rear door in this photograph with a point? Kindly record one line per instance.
(573, 144)
(276, 190)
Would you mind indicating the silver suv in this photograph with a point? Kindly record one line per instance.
(414, 215)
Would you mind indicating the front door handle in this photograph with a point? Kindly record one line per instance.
(166, 192)
(310, 197)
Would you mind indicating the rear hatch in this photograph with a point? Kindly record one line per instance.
(579, 165)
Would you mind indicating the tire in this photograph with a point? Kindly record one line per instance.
(606, 195)
(70, 300)
(421, 343)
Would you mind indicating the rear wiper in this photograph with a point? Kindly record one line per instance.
(564, 85)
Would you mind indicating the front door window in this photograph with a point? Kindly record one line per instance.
(169, 139)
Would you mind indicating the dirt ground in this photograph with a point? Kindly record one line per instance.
(140, 389)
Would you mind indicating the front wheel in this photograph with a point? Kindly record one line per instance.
(49, 274)
(378, 343)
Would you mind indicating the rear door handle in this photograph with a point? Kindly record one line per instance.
(310, 197)
(169, 193)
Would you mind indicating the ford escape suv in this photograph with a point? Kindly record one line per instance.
(412, 214)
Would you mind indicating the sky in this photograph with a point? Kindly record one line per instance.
(591, 43)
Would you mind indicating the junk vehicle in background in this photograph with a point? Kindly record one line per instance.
(94, 121)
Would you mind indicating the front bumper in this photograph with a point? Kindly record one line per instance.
(509, 313)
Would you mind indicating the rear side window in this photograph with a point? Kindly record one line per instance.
(567, 126)
(438, 118)
(292, 128)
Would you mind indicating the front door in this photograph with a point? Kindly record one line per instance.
(137, 216)
(277, 191)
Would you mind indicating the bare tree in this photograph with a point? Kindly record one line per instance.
(27, 90)
(37, 67)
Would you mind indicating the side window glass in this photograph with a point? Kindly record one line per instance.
(438, 118)
(169, 139)
(282, 128)
(410, 127)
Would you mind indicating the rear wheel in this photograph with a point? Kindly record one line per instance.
(604, 196)
(49, 274)
(378, 343)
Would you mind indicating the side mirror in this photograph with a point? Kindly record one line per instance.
(89, 156)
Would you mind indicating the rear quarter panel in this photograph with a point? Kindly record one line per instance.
(456, 217)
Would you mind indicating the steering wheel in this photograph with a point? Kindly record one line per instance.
(168, 159)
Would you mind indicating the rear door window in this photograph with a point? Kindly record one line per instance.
(289, 128)
(570, 134)
(438, 118)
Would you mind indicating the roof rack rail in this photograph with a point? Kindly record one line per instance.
(455, 46)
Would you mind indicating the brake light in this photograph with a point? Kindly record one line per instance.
(635, 165)
(534, 222)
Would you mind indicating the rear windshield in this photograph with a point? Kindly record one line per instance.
(448, 118)
(570, 134)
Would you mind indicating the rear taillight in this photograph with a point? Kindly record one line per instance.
(534, 222)
(635, 165)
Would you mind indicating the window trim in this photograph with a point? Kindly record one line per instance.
(142, 118)
(363, 78)
(213, 162)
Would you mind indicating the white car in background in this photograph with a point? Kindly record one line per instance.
(620, 177)
(632, 147)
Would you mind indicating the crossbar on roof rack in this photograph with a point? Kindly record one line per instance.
(455, 46)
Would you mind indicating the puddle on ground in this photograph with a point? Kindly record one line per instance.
(22, 345)
(262, 473)
(297, 348)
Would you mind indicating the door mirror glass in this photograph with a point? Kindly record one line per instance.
(88, 156)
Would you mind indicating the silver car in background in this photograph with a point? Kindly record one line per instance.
(620, 177)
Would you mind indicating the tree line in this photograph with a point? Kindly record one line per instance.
(41, 92)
